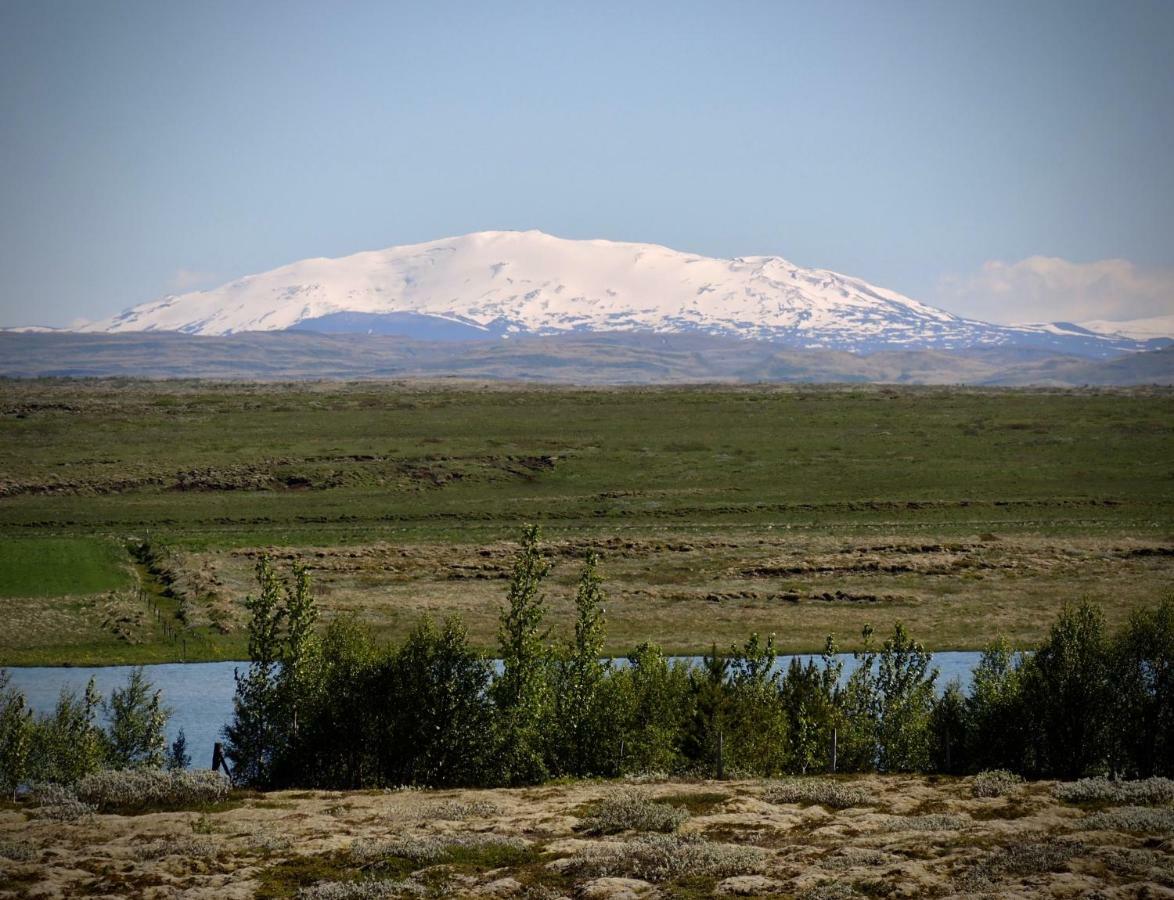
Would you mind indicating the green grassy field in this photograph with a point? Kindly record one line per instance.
(961, 511)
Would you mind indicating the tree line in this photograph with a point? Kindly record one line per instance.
(330, 708)
(68, 744)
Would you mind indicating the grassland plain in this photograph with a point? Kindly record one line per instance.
(717, 510)
(891, 836)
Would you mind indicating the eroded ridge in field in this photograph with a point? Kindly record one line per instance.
(810, 838)
(677, 586)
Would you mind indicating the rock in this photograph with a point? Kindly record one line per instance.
(617, 889)
(747, 886)
(502, 887)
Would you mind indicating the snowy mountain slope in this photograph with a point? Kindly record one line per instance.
(507, 282)
(1138, 329)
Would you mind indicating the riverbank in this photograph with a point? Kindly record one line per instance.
(896, 836)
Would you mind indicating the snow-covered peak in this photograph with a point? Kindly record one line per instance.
(503, 282)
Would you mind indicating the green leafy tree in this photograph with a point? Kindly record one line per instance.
(16, 736)
(579, 723)
(521, 691)
(298, 676)
(650, 697)
(949, 727)
(905, 683)
(860, 705)
(253, 735)
(1068, 696)
(996, 733)
(808, 698)
(135, 736)
(757, 739)
(441, 717)
(710, 712)
(178, 757)
(1143, 693)
(68, 744)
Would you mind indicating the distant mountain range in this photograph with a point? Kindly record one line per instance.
(577, 358)
(500, 284)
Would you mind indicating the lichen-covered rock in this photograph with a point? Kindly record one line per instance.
(617, 889)
(747, 886)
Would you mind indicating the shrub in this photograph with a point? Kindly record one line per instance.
(362, 890)
(995, 783)
(1147, 792)
(631, 810)
(126, 790)
(1019, 861)
(932, 822)
(817, 791)
(1138, 819)
(665, 857)
(17, 851)
(459, 810)
(430, 849)
(186, 846)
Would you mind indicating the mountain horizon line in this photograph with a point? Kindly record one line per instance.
(502, 283)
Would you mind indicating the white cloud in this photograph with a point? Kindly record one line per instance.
(1050, 289)
(189, 279)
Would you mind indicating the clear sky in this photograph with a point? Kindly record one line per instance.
(1011, 160)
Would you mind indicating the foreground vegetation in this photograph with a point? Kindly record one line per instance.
(132, 514)
(340, 712)
(897, 836)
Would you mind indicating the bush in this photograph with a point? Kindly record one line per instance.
(665, 857)
(459, 810)
(932, 822)
(58, 803)
(430, 849)
(1147, 792)
(186, 846)
(1138, 819)
(630, 810)
(126, 790)
(17, 851)
(995, 783)
(362, 890)
(817, 791)
(1019, 861)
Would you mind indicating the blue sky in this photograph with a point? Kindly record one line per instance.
(1007, 160)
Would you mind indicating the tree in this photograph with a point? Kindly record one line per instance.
(521, 691)
(1143, 693)
(68, 744)
(1067, 694)
(298, 676)
(808, 698)
(650, 698)
(16, 734)
(252, 736)
(949, 726)
(757, 737)
(860, 704)
(135, 737)
(709, 712)
(578, 723)
(996, 733)
(178, 757)
(441, 720)
(905, 684)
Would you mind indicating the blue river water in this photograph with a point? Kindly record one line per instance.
(199, 695)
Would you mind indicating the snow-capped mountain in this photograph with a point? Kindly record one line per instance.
(508, 282)
(1138, 329)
